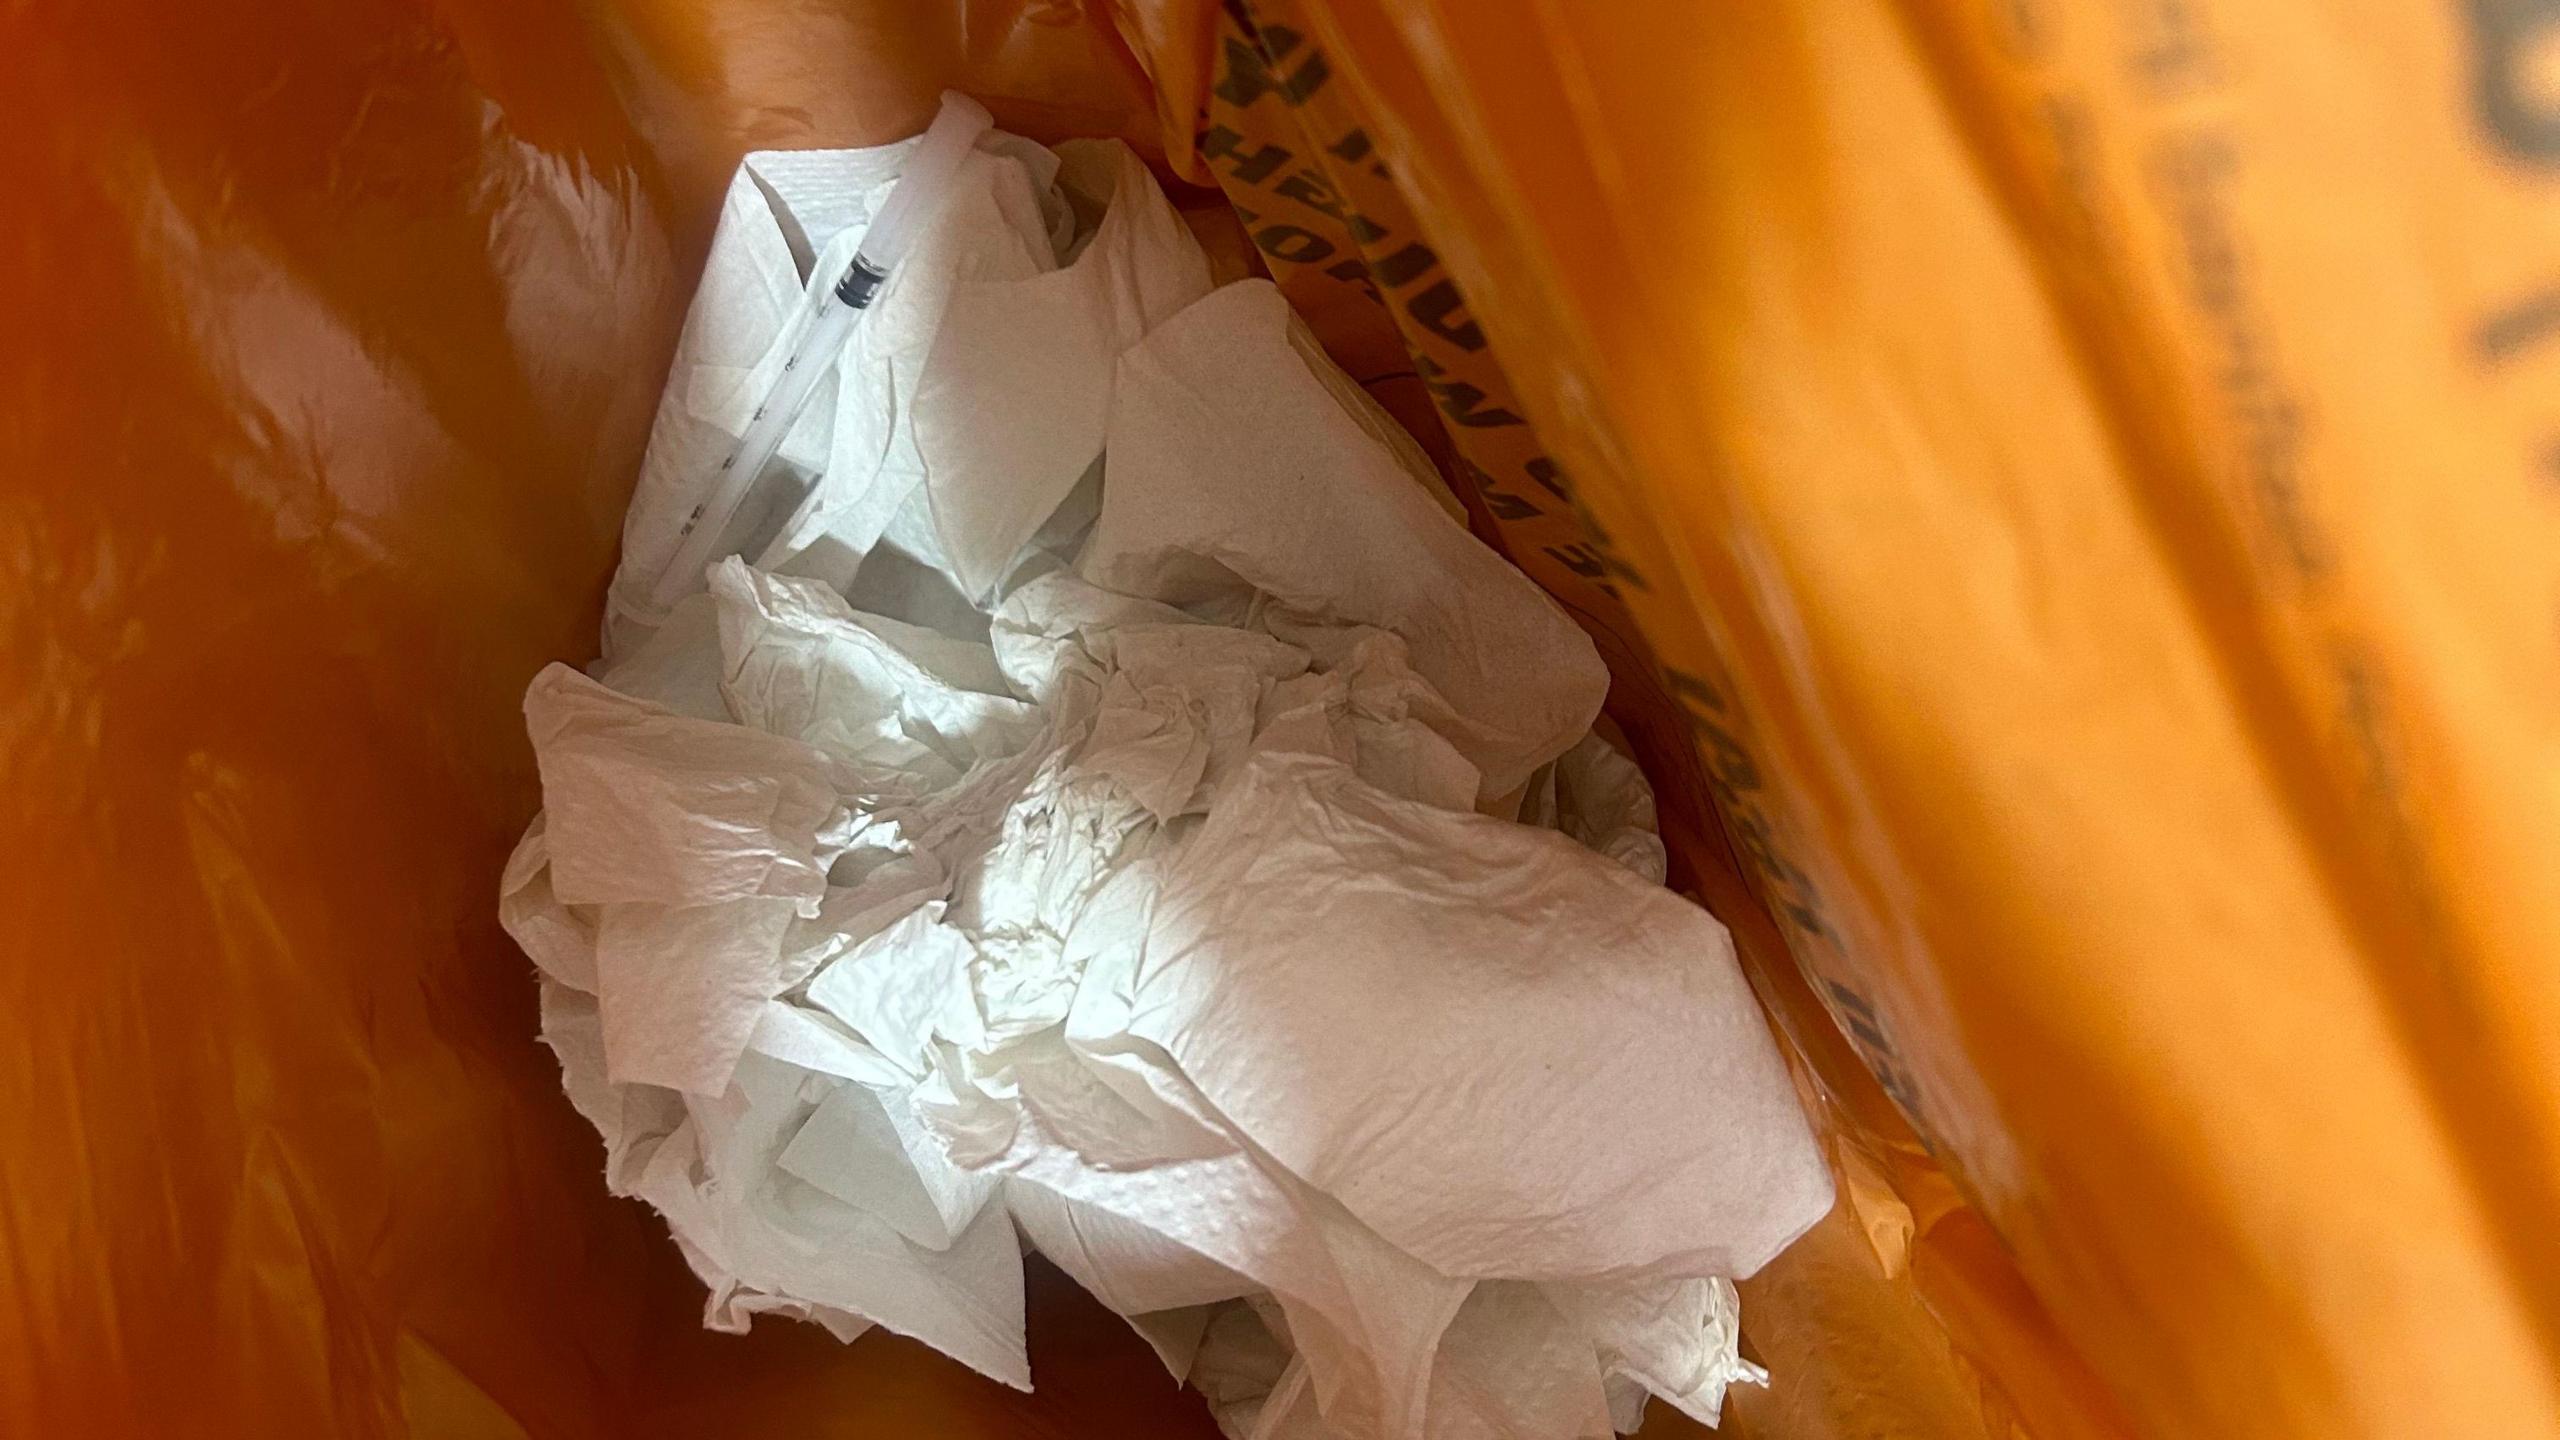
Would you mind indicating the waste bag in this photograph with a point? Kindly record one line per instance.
(2065, 497)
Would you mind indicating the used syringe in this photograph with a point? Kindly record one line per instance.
(827, 316)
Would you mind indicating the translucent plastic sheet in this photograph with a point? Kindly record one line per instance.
(2065, 497)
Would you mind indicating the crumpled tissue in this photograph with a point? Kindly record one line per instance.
(1101, 803)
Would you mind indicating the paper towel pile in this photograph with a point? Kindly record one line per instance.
(1105, 804)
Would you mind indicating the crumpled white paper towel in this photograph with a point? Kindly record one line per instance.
(1133, 872)
(1233, 481)
(1325, 957)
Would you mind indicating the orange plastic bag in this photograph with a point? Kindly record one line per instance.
(334, 338)
(2059, 495)
(2085, 478)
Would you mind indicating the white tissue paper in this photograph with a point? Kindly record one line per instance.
(1234, 482)
(1327, 1032)
(1099, 802)
(1043, 348)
